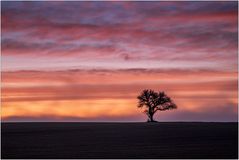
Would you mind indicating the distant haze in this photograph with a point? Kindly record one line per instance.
(88, 61)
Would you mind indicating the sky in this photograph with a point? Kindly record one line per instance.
(88, 61)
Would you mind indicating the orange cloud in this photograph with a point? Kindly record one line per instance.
(111, 93)
(76, 108)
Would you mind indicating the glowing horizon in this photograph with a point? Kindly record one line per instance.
(88, 61)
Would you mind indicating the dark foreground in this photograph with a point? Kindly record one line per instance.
(119, 140)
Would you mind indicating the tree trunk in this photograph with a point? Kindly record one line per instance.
(151, 118)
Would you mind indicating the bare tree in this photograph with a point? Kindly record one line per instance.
(153, 102)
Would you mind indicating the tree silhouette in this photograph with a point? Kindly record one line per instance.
(153, 102)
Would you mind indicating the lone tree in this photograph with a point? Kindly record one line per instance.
(153, 102)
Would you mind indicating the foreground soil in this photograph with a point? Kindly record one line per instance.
(119, 140)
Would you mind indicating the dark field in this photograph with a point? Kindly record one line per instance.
(119, 140)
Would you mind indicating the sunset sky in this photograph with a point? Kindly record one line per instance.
(88, 61)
